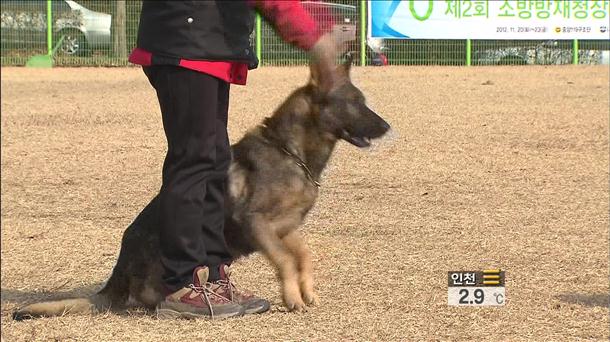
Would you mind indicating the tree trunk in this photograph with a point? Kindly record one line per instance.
(119, 23)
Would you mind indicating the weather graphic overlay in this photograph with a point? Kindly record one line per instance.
(476, 288)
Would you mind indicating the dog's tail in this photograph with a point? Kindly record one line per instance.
(85, 305)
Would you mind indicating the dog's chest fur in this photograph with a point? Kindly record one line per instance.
(264, 184)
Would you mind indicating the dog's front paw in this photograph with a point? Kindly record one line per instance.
(311, 298)
(295, 305)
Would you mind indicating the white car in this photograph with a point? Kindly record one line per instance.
(24, 25)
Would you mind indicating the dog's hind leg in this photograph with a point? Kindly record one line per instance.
(283, 260)
(295, 244)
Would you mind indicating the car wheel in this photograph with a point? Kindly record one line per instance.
(74, 44)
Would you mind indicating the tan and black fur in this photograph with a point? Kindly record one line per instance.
(268, 197)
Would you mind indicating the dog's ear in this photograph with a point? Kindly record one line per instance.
(323, 66)
(327, 77)
(323, 76)
(346, 67)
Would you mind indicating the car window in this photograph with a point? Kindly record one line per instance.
(60, 6)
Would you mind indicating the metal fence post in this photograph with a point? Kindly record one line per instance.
(363, 21)
(575, 51)
(468, 52)
(49, 29)
(259, 39)
(46, 60)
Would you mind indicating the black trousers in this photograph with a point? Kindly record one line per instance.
(194, 108)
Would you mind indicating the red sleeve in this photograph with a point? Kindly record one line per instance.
(292, 22)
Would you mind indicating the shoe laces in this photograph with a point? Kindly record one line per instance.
(207, 292)
(233, 288)
(226, 283)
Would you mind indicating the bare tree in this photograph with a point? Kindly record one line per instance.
(119, 23)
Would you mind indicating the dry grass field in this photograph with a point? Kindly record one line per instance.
(487, 167)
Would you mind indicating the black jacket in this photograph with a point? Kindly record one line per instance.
(197, 30)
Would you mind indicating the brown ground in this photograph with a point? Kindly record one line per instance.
(489, 167)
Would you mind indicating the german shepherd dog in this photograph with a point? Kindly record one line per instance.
(272, 185)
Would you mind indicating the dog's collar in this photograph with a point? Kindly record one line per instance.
(300, 162)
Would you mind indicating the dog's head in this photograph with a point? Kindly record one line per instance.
(342, 107)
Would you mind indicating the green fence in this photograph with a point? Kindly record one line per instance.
(103, 32)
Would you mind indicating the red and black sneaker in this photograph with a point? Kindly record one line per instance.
(245, 298)
(200, 299)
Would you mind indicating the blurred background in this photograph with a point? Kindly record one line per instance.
(103, 32)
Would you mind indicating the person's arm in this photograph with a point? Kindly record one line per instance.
(293, 23)
(295, 26)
